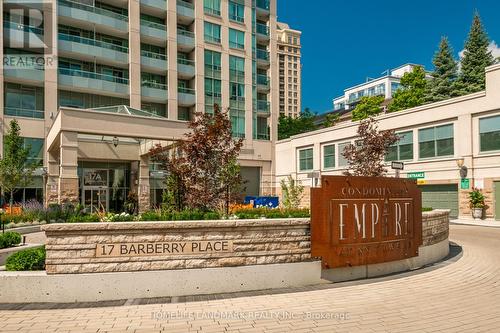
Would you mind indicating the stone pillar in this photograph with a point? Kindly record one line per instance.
(68, 175)
(52, 185)
(464, 150)
(143, 195)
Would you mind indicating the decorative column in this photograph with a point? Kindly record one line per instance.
(68, 175)
(52, 185)
(134, 26)
(143, 193)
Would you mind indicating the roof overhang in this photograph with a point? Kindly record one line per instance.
(90, 121)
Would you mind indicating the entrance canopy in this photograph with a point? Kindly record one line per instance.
(120, 121)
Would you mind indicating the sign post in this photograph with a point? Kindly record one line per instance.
(398, 166)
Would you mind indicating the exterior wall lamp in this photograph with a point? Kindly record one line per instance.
(115, 141)
(463, 169)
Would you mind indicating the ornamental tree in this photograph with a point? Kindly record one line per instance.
(16, 170)
(366, 157)
(368, 107)
(476, 58)
(203, 172)
(443, 83)
(412, 91)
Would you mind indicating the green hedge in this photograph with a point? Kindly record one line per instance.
(427, 209)
(9, 239)
(27, 260)
(272, 213)
(83, 218)
(186, 215)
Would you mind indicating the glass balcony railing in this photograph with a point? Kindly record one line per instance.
(211, 11)
(262, 55)
(263, 4)
(154, 84)
(184, 90)
(263, 106)
(153, 55)
(262, 136)
(184, 61)
(262, 80)
(92, 75)
(213, 71)
(212, 39)
(262, 29)
(93, 9)
(92, 42)
(236, 76)
(28, 113)
(154, 25)
(22, 27)
(185, 4)
(185, 33)
(236, 18)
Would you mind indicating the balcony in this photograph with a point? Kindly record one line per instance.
(262, 57)
(155, 62)
(262, 32)
(91, 49)
(30, 73)
(213, 98)
(263, 8)
(236, 76)
(263, 82)
(91, 17)
(237, 103)
(262, 136)
(27, 113)
(185, 68)
(154, 91)
(93, 82)
(213, 71)
(185, 12)
(152, 31)
(155, 4)
(263, 107)
(185, 40)
(186, 96)
(15, 35)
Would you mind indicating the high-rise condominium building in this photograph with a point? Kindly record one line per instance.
(93, 84)
(290, 70)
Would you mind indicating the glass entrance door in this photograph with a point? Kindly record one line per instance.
(95, 199)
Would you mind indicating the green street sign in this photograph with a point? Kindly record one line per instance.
(465, 184)
(416, 175)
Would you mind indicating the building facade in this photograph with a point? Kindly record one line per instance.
(158, 59)
(449, 147)
(290, 70)
(382, 86)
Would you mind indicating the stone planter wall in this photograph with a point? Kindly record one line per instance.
(72, 248)
(435, 226)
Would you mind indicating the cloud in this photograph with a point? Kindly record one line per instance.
(493, 47)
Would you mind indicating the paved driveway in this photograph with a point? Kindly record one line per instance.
(460, 296)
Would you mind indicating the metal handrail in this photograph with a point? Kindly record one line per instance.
(93, 9)
(92, 42)
(92, 75)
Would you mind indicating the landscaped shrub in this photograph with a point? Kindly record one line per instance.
(9, 239)
(27, 260)
(83, 218)
(150, 216)
(427, 209)
(123, 217)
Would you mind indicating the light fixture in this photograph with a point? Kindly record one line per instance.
(115, 141)
(463, 169)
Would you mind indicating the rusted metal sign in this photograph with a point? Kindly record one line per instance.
(365, 220)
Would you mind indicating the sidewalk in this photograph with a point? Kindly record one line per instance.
(482, 223)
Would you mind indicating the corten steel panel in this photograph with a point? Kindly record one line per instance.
(365, 220)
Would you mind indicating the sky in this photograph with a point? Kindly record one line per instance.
(344, 42)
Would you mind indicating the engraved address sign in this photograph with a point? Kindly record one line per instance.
(365, 220)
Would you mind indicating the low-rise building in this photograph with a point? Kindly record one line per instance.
(449, 146)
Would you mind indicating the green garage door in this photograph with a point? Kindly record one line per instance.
(441, 197)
